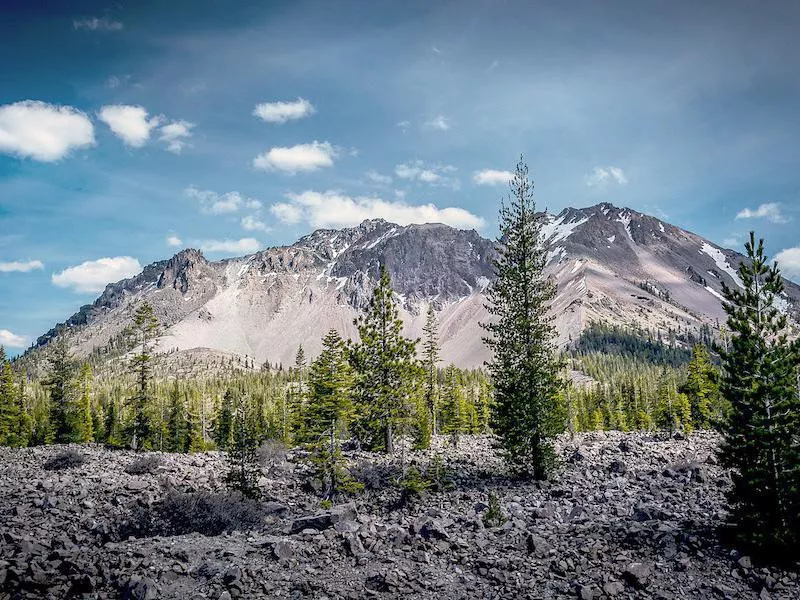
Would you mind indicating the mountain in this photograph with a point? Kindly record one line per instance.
(612, 264)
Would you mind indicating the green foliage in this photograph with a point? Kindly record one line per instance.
(60, 382)
(388, 375)
(413, 483)
(13, 419)
(430, 358)
(525, 368)
(702, 390)
(761, 382)
(639, 345)
(223, 424)
(86, 420)
(454, 407)
(328, 411)
(243, 467)
(493, 517)
(142, 333)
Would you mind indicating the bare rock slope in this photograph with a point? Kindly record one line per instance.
(610, 264)
(631, 516)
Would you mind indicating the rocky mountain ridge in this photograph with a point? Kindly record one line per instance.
(610, 263)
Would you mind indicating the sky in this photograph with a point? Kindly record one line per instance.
(130, 130)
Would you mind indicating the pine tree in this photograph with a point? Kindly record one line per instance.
(86, 419)
(702, 390)
(9, 407)
(223, 426)
(60, 382)
(761, 445)
(243, 468)
(387, 372)
(525, 366)
(430, 354)
(329, 409)
(142, 333)
(453, 409)
(178, 427)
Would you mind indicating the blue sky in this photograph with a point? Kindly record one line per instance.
(131, 130)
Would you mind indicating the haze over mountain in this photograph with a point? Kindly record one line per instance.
(611, 264)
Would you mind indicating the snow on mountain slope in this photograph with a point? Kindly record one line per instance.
(609, 264)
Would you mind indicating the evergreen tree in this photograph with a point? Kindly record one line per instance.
(329, 409)
(300, 359)
(178, 426)
(142, 333)
(223, 427)
(86, 419)
(453, 409)
(10, 413)
(702, 390)
(525, 366)
(387, 372)
(60, 382)
(243, 469)
(430, 354)
(761, 444)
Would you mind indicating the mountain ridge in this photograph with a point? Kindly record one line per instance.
(609, 263)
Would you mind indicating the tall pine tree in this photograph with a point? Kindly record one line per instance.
(525, 366)
(761, 444)
(60, 382)
(430, 358)
(143, 333)
(388, 375)
(329, 409)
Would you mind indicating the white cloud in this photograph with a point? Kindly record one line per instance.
(302, 157)
(129, 123)
(439, 122)
(287, 212)
(242, 246)
(96, 24)
(213, 203)
(94, 275)
(789, 263)
(433, 174)
(404, 125)
(174, 240)
(492, 177)
(17, 266)
(333, 209)
(733, 241)
(176, 135)
(12, 340)
(251, 223)
(770, 211)
(280, 112)
(377, 178)
(45, 132)
(602, 176)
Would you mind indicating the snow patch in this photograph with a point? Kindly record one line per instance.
(661, 227)
(715, 292)
(555, 230)
(611, 239)
(391, 233)
(625, 219)
(554, 253)
(721, 261)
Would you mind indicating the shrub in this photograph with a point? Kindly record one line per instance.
(200, 512)
(493, 517)
(271, 455)
(68, 459)
(145, 465)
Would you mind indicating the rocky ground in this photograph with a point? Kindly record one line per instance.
(630, 516)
